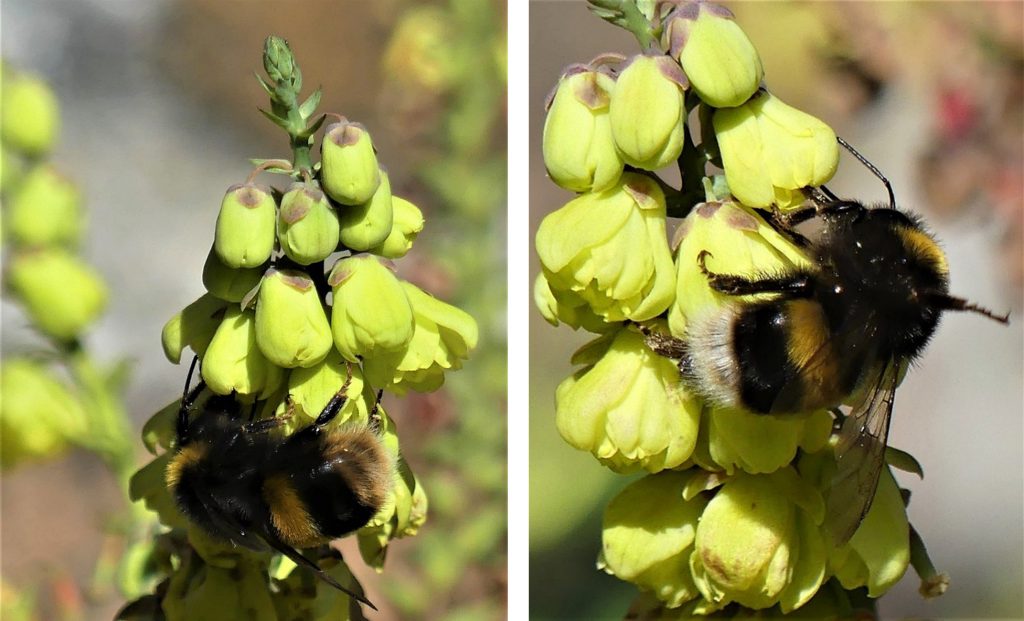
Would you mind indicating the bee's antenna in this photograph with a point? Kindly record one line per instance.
(948, 302)
(872, 168)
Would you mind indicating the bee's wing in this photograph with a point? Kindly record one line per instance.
(860, 455)
(302, 561)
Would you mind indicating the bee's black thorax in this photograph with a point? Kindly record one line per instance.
(876, 267)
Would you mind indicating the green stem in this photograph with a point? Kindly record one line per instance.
(626, 14)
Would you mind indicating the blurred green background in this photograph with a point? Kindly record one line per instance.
(159, 111)
(932, 94)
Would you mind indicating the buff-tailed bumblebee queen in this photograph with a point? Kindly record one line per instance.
(243, 481)
(840, 331)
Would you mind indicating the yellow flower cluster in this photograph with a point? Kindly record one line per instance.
(732, 512)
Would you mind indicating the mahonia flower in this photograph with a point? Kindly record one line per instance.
(758, 542)
(756, 443)
(403, 513)
(310, 388)
(627, 407)
(648, 534)
(206, 592)
(229, 283)
(307, 224)
(291, 325)
(771, 150)
(610, 249)
(38, 414)
(566, 307)
(45, 209)
(371, 312)
(62, 294)
(739, 242)
(31, 119)
(408, 222)
(647, 113)
(719, 60)
(878, 553)
(244, 234)
(193, 327)
(368, 224)
(234, 363)
(442, 338)
(579, 151)
(348, 163)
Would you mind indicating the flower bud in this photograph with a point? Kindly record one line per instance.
(755, 443)
(408, 222)
(12, 171)
(228, 283)
(245, 226)
(369, 224)
(349, 171)
(307, 226)
(278, 60)
(878, 553)
(579, 151)
(628, 409)
(291, 325)
(566, 307)
(234, 363)
(194, 327)
(610, 250)
(45, 210)
(647, 112)
(770, 150)
(62, 294)
(443, 337)
(739, 242)
(721, 63)
(38, 415)
(31, 118)
(371, 312)
(648, 533)
(312, 387)
(758, 542)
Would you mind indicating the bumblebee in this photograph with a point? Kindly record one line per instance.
(241, 482)
(840, 331)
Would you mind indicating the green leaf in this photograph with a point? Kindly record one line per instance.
(264, 84)
(902, 460)
(276, 120)
(309, 106)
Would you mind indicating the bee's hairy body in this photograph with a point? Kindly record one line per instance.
(310, 487)
(869, 299)
(245, 482)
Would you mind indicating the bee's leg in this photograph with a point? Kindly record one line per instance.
(664, 345)
(188, 399)
(783, 223)
(376, 423)
(260, 426)
(252, 412)
(794, 285)
(334, 405)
